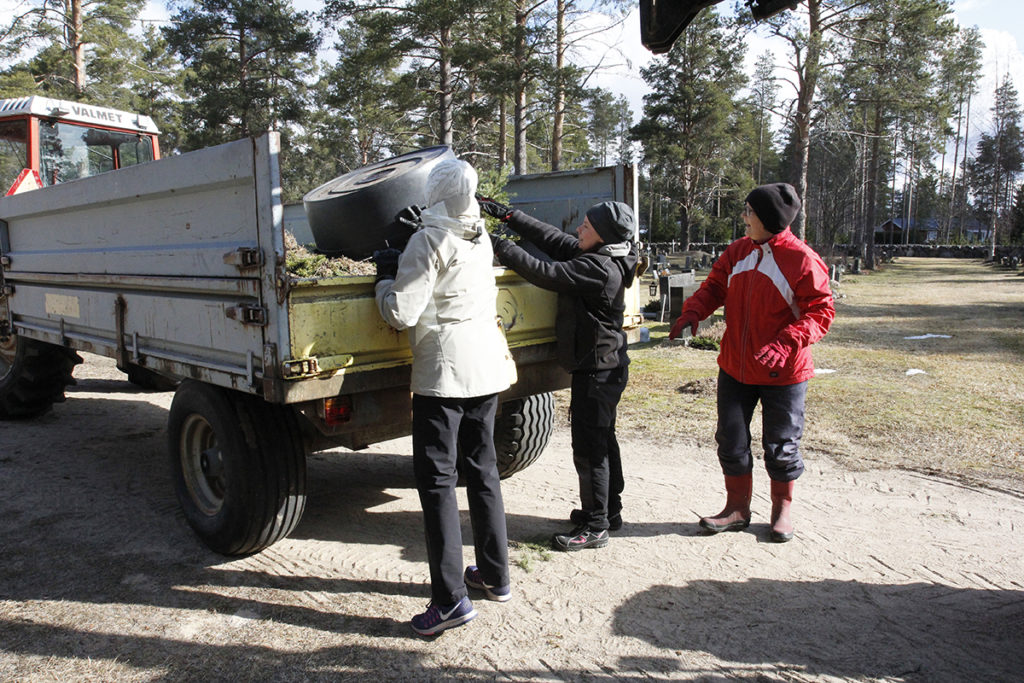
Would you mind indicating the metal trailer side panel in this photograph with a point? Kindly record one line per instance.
(158, 264)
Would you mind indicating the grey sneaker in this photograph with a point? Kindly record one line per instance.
(579, 538)
(474, 579)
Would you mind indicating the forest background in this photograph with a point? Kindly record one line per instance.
(864, 105)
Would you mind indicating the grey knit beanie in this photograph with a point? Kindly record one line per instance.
(613, 221)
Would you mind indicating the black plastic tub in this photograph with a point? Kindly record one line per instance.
(354, 214)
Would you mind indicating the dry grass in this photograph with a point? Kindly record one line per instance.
(962, 418)
(302, 261)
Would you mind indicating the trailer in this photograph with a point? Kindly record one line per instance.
(176, 267)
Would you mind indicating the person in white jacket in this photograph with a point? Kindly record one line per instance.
(444, 293)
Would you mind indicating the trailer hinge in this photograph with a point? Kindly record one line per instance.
(244, 257)
(302, 367)
(5, 261)
(247, 314)
(6, 290)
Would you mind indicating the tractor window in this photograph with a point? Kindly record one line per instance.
(13, 151)
(68, 151)
(137, 149)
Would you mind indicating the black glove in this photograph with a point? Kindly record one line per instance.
(493, 208)
(409, 221)
(387, 263)
(500, 246)
(411, 217)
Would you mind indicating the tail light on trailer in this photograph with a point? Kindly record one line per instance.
(337, 410)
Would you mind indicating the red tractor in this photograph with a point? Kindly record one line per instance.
(45, 141)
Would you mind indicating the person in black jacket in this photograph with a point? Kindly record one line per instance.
(590, 272)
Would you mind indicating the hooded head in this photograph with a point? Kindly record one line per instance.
(776, 205)
(613, 221)
(453, 183)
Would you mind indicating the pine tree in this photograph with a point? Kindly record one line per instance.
(688, 123)
(248, 64)
(69, 36)
(891, 75)
(999, 159)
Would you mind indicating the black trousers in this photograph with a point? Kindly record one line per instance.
(782, 425)
(440, 428)
(595, 450)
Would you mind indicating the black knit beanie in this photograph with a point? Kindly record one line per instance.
(613, 221)
(776, 205)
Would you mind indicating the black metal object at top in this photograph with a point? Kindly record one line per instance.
(661, 21)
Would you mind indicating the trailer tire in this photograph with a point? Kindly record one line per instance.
(238, 465)
(522, 431)
(33, 376)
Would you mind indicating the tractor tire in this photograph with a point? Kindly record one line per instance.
(238, 465)
(33, 376)
(522, 431)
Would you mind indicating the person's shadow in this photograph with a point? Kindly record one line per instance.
(844, 629)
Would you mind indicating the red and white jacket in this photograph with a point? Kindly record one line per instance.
(778, 290)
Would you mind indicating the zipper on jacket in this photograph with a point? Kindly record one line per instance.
(745, 336)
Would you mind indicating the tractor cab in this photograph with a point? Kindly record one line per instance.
(45, 141)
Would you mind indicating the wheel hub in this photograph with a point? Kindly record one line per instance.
(202, 465)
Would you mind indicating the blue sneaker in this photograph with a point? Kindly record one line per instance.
(438, 618)
(474, 579)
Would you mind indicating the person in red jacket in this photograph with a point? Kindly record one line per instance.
(778, 302)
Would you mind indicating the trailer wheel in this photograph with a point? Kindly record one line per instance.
(33, 376)
(521, 432)
(239, 467)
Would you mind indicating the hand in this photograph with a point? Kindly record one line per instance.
(500, 246)
(387, 263)
(773, 355)
(409, 221)
(686, 319)
(411, 217)
(493, 208)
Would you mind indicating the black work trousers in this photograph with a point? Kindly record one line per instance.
(782, 425)
(440, 428)
(595, 450)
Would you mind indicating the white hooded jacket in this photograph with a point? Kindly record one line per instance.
(445, 295)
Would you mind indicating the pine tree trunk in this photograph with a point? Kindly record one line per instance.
(559, 118)
(805, 100)
(77, 45)
(445, 87)
(519, 114)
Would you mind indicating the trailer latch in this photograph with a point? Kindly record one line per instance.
(247, 314)
(244, 257)
(308, 367)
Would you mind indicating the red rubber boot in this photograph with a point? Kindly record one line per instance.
(736, 515)
(782, 498)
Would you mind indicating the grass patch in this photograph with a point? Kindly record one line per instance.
(962, 418)
(526, 554)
